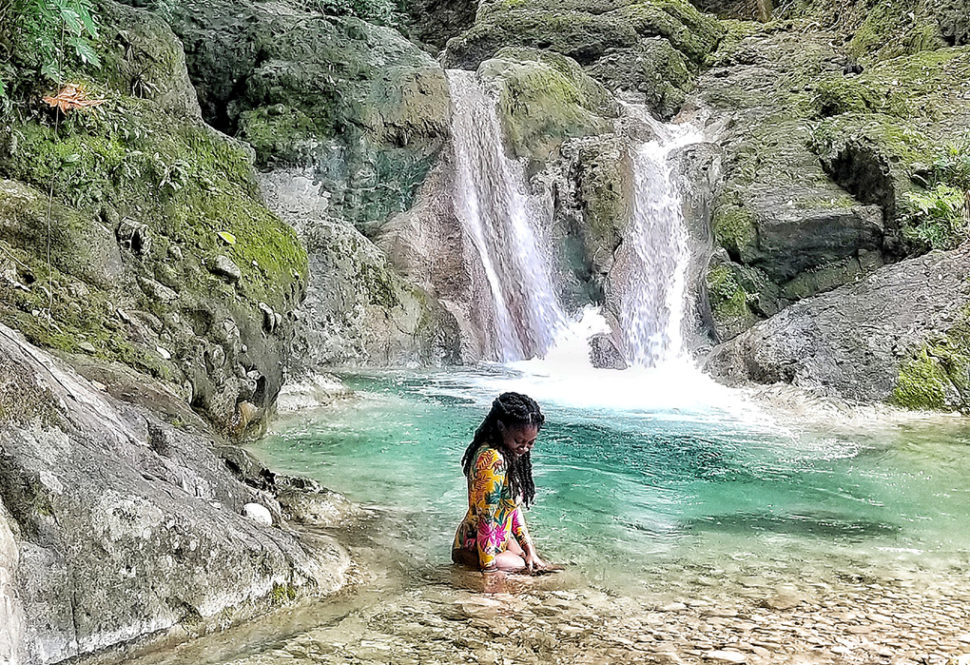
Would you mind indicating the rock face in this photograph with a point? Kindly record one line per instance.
(901, 335)
(161, 253)
(358, 309)
(648, 48)
(819, 161)
(366, 107)
(118, 519)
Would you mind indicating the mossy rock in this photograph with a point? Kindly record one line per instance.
(142, 196)
(602, 169)
(653, 70)
(729, 301)
(583, 30)
(359, 103)
(937, 375)
(734, 230)
(545, 98)
(884, 30)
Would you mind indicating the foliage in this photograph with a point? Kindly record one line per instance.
(953, 167)
(381, 12)
(939, 217)
(46, 37)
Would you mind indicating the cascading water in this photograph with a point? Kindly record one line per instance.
(498, 217)
(655, 298)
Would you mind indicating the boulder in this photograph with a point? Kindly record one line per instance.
(543, 99)
(120, 518)
(900, 335)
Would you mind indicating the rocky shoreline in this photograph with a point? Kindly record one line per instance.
(688, 615)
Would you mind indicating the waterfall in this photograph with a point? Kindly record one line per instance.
(654, 302)
(499, 218)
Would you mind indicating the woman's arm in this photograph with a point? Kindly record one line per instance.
(521, 532)
(487, 496)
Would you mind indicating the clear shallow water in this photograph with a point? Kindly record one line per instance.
(636, 498)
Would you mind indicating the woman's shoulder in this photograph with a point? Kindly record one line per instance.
(488, 457)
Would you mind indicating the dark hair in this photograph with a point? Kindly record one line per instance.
(512, 410)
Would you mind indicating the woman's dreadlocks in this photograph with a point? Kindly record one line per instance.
(512, 410)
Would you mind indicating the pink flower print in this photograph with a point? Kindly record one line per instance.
(491, 536)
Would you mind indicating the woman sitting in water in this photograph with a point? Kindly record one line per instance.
(493, 535)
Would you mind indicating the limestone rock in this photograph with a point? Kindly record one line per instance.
(358, 309)
(224, 267)
(123, 524)
(900, 334)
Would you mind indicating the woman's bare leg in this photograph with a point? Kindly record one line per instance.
(508, 560)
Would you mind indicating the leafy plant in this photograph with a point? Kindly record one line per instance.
(937, 218)
(953, 167)
(46, 37)
(381, 12)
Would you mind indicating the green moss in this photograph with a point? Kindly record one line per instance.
(180, 178)
(728, 299)
(892, 28)
(937, 376)
(734, 229)
(839, 95)
(279, 134)
(545, 98)
(922, 384)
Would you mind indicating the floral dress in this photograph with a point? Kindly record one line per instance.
(493, 514)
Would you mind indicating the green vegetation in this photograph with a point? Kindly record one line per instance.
(283, 593)
(937, 376)
(45, 38)
(734, 229)
(728, 298)
(921, 384)
(937, 218)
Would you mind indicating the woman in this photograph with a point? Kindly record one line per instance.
(497, 463)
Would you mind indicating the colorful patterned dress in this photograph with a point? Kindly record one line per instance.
(493, 514)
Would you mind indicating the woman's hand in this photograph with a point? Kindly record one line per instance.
(532, 560)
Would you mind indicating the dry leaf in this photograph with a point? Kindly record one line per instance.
(72, 97)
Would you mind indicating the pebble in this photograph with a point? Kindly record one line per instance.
(257, 513)
(724, 656)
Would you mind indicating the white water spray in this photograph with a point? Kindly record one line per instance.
(499, 218)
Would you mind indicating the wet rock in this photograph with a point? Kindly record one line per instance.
(604, 353)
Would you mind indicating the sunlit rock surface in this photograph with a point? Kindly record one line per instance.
(119, 519)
